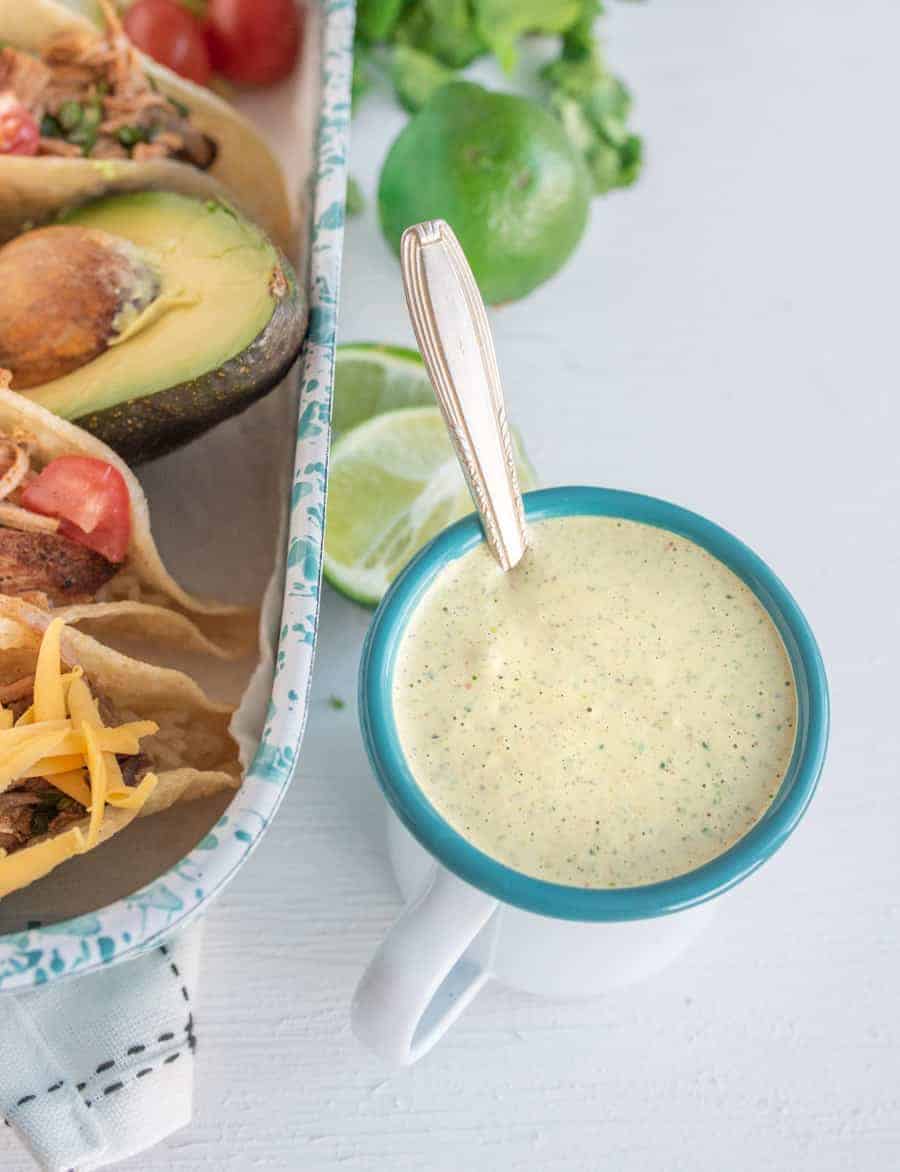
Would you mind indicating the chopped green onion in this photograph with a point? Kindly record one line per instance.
(180, 107)
(128, 136)
(50, 128)
(85, 133)
(85, 137)
(92, 115)
(70, 115)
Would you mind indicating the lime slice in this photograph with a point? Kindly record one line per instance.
(370, 378)
(394, 483)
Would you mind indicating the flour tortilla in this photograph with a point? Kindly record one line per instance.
(193, 754)
(143, 599)
(244, 171)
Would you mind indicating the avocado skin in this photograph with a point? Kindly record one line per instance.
(154, 425)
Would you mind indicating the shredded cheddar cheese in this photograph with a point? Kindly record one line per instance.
(125, 739)
(73, 785)
(49, 694)
(51, 766)
(61, 737)
(82, 705)
(99, 784)
(25, 866)
(18, 760)
(133, 798)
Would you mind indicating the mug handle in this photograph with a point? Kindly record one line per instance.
(420, 981)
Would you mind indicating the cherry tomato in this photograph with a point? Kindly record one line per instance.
(253, 42)
(171, 35)
(19, 132)
(91, 499)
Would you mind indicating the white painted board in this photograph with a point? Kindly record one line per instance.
(725, 337)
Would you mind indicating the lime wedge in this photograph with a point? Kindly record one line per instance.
(394, 483)
(370, 378)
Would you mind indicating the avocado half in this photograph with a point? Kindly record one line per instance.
(225, 327)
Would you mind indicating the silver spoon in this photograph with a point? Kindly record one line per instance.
(454, 337)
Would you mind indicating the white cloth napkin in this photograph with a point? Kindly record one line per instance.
(96, 1069)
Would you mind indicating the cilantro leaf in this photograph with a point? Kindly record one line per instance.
(578, 39)
(416, 76)
(445, 29)
(502, 22)
(377, 19)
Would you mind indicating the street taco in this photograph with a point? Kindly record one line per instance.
(90, 740)
(93, 116)
(75, 538)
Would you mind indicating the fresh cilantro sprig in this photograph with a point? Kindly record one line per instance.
(594, 107)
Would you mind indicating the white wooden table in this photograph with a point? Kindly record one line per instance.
(726, 337)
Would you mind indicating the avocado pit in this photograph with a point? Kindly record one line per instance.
(223, 330)
(67, 293)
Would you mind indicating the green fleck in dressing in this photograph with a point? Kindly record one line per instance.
(616, 711)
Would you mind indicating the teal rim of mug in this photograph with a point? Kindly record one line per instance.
(554, 899)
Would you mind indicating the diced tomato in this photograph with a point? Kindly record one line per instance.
(19, 133)
(253, 42)
(91, 499)
(166, 31)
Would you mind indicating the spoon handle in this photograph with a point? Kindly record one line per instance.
(454, 337)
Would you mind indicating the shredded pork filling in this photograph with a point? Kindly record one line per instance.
(50, 564)
(90, 96)
(33, 809)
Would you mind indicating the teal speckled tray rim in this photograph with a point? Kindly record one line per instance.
(140, 921)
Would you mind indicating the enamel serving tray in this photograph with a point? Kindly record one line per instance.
(141, 920)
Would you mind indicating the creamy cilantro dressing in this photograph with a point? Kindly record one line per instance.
(617, 710)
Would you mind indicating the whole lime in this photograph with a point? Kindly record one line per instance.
(500, 169)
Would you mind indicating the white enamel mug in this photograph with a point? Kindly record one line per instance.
(469, 918)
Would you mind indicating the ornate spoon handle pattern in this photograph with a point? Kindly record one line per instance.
(454, 337)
